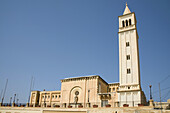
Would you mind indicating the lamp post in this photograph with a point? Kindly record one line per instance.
(17, 101)
(151, 100)
(14, 98)
(150, 86)
(10, 101)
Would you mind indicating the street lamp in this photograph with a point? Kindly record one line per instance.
(14, 98)
(10, 101)
(150, 86)
(17, 101)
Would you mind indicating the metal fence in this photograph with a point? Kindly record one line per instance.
(13, 104)
(77, 105)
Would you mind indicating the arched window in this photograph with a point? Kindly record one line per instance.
(128, 71)
(130, 22)
(126, 22)
(127, 44)
(123, 24)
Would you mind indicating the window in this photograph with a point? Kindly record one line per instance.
(48, 96)
(99, 88)
(104, 103)
(128, 71)
(127, 44)
(113, 89)
(123, 24)
(109, 90)
(126, 22)
(117, 89)
(59, 96)
(128, 57)
(128, 87)
(53, 96)
(76, 93)
(130, 22)
(56, 96)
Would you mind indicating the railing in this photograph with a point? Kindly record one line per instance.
(13, 104)
(77, 105)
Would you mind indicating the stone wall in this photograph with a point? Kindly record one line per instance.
(81, 110)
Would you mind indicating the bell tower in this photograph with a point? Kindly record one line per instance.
(129, 71)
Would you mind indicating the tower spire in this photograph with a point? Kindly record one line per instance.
(127, 10)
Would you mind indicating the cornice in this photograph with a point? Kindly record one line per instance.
(126, 14)
(127, 30)
(113, 84)
(129, 90)
(79, 78)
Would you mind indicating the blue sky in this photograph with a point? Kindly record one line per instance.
(57, 39)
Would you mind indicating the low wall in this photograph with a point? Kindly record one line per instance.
(81, 110)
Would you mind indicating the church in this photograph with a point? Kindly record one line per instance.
(93, 91)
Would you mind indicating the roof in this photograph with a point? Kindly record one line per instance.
(83, 77)
(116, 83)
(127, 10)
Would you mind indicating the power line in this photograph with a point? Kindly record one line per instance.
(165, 78)
(161, 90)
(166, 95)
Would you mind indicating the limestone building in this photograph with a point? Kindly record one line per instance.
(129, 71)
(92, 90)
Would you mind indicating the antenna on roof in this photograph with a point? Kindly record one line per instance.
(30, 89)
(4, 91)
(33, 83)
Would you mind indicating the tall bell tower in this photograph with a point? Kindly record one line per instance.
(129, 71)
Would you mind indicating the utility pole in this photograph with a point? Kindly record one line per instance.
(4, 91)
(30, 89)
(160, 96)
(1, 94)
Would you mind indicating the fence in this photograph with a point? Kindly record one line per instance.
(103, 103)
(13, 104)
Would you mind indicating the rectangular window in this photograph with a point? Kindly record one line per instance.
(109, 89)
(128, 57)
(99, 88)
(127, 44)
(128, 71)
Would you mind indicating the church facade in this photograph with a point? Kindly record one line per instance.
(88, 91)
